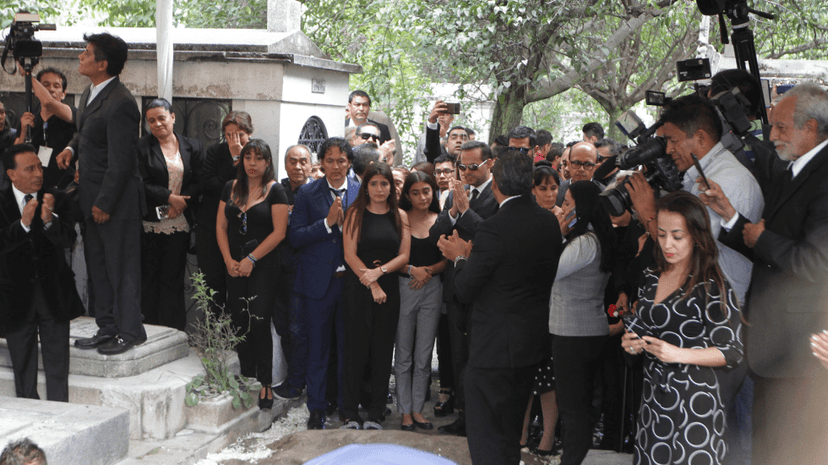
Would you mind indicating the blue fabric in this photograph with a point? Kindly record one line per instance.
(379, 454)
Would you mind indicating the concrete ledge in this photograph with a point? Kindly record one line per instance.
(69, 434)
(163, 345)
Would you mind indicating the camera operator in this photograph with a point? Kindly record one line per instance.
(51, 127)
(692, 127)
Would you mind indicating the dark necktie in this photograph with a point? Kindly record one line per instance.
(337, 192)
(26, 199)
(474, 195)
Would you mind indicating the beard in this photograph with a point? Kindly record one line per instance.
(783, 151)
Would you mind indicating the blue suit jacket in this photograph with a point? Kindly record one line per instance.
(320, 252)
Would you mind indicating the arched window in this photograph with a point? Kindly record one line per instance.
(313, 133)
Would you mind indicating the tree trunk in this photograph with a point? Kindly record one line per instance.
(612, 130)
(508, 112)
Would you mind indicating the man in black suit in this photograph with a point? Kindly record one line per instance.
(455, 137)
(507, 278)
(37, 286)
(786, 300)
(111, 195)
(463, 212)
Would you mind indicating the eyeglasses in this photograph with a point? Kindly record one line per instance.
(445, 171)
(472, 167)
(366, 136)
(582, 164)
(243, 227)
(522, 150)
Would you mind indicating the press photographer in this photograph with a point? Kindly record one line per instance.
(691, 127)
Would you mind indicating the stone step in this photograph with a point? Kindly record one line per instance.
(69, 434)
(163, 345)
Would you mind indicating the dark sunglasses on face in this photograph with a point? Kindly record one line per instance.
(522, 150)
(579, 164)
(472, 167)
(366, 136)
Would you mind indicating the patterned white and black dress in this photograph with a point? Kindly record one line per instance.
(682, 419)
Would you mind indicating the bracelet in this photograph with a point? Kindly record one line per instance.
(458, 258)
(252, 258)
(409, 271)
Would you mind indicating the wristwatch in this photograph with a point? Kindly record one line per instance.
(384, 270)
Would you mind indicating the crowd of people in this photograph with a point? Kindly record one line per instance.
(505, 255)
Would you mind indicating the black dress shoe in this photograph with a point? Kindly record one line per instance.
(331, 409)
(457, 428)
(317, 419)
(94, 341)
(264, 402)
(118, 345)
(410, 427)
(426, 425)
(442, 409)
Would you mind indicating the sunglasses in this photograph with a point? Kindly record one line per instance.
(243, 227)
(472, 167)
(366, 136)
(522, 150)
(582, 164)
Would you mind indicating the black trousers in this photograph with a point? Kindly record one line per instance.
(370, 331)
(496, 401)
(459, 349)
(252, 317)
(446, 368)
(576, 362)
(163, 261)
(113, 258)
(54, 337)
(281, 318)
(211, 263)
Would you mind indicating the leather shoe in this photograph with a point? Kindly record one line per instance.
(426, 425)
(457, 428)
(118, 345)
(410, 427)
(94, 341)
(317, 419)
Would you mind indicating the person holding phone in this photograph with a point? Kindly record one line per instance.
(169, 164)
(577, 322)
(251, 221)
(687, 322)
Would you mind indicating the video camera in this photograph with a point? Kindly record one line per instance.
(648, 156)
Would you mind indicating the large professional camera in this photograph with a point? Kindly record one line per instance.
(21, 39)
(648, 156)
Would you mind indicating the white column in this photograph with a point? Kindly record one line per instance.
(164, 47)
(283, 15)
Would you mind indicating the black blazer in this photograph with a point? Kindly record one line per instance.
(508, 278)
(433, 148)
(483, 207)
(218, 168)
(106, 144)
(36, 255)
(787, 297)
(153, 168)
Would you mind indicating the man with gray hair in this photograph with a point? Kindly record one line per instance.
(22, 452)
(786, 301)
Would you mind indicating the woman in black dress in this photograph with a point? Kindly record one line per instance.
(251, 221)
(169, 164)
(687, 321)
(220, 165)
(377, 240)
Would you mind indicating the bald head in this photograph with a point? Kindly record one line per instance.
(298, 164)
(582, 160)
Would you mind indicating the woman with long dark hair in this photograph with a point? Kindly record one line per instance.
(577, 322)
(376, 241)
(169, 164)
(221, 163)
(251, 221)
(686, 323)
(420, 301)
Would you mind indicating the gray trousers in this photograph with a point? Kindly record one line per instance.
(416, 330)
